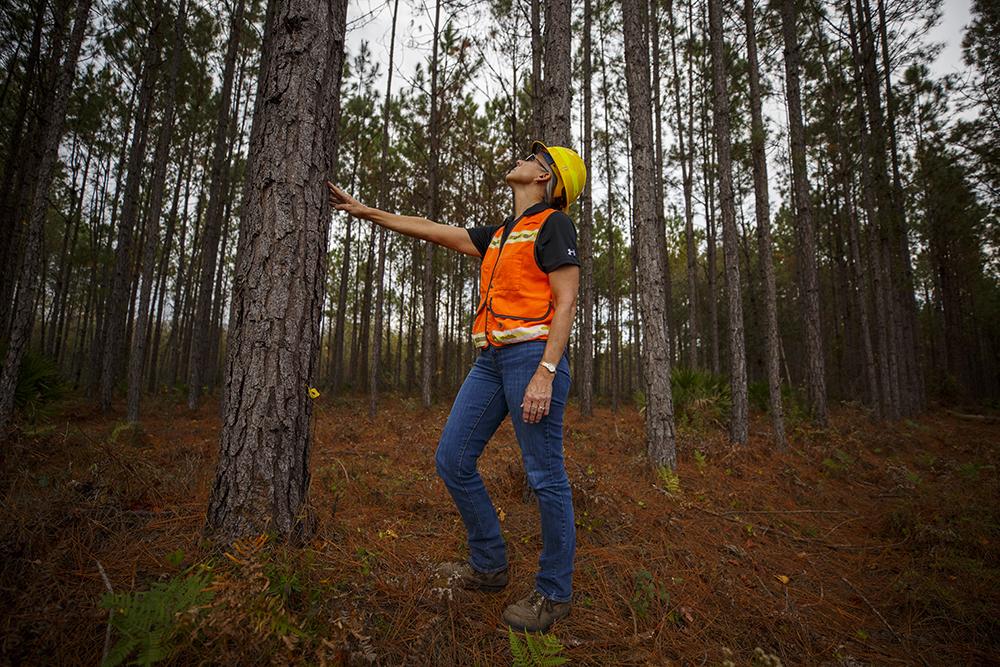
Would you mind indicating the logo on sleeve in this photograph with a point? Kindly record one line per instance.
(571, 252)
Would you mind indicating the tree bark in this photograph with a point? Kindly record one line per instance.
(557, 86)
(263, 472)
(660, 442)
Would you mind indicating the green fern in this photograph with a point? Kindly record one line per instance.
(147, 621)
(671, 482)
(536, 650)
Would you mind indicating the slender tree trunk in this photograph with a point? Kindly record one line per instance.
(161, 157)
(213, 220)
(816, 377)
(263, 472)
(738, 427)
(14, 163)
(762, 209)
(376, 363)
(537, 123)
(586, 235)
(660, 443)
(53, 123)
(688, 182)
(428, 339)
(116, 311)
(661, 220)
(887, 406)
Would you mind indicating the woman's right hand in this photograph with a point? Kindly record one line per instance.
(342, 201)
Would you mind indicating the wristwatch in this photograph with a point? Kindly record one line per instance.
(548, 366)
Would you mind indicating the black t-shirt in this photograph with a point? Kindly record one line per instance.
(555, 245)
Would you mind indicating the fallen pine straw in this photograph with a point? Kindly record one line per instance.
(659, 578)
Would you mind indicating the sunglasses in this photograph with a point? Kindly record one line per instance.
(542, 159)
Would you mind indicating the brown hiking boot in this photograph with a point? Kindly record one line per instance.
(471, 578)
(535, 613)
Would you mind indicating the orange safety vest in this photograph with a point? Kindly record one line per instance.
(515, 298)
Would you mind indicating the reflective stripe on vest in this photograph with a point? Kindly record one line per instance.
(515, 299)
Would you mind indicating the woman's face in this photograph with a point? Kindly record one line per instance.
(527, 170)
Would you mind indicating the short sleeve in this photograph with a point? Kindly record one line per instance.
(556, 243)
(481, 237)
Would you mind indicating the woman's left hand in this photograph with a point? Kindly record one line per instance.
(537, 397)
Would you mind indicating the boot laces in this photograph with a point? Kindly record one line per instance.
(535, 602)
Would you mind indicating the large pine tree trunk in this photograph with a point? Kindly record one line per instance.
(762, 209)
(557, 85)
(53, 123)
(586, 385)
(198, 357)
(815, 373)
(738, 426)
(161, 157)
(263, 471)
(660, 443)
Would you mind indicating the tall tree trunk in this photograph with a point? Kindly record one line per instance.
(614, 333)
(14, 162)
(816, 376)
(116, 311)
(912, 342)
(537, 123)
(586, 386)
(762, 209)
(557, 86)
(213, 220)
(161, 156)
(660, 443)
(52, 125)
(661, 220)
(688, 182)
(376, 362)
(738, 426)
(888, 406)
(428, 338)
(263, 472)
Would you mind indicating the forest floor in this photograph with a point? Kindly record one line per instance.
(864, 544)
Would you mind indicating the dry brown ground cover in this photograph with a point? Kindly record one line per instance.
(864, 544)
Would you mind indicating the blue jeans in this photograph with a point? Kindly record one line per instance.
(495, 387)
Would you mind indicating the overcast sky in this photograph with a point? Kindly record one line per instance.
(371, 21)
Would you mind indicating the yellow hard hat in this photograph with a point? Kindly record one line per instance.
(569, 167)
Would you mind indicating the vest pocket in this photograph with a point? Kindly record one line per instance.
(518, 317)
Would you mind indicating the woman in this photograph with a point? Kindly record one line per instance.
(529, 277)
